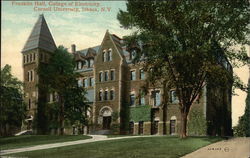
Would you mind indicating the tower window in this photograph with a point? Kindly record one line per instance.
(24, 59)
(27, 58)
(31, 57)
(112, 95)
(106, 95)
(106, 76)
(100, 95)
(34, 57)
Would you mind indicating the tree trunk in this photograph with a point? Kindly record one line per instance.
(61, 115)
(183, 133)
(165, 105)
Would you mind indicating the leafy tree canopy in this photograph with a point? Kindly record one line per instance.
(190, 42)
(58, 77)
(12, 107)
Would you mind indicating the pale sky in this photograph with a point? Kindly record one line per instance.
(85, 29)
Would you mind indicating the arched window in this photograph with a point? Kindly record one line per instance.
(112, 95)
(109, 58)
(101, 76)
(104, 56)
(100, 96)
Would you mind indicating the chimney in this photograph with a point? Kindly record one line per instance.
(73, 48)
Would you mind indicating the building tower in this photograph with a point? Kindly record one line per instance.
(36, 51)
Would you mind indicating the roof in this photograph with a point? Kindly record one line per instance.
(40, 37)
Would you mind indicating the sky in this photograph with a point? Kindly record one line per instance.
(84, 29)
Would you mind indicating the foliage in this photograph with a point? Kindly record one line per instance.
(58, 77)
(12, 107)
(188, 42)
(243, 127)
(196, 123)
(140, 113)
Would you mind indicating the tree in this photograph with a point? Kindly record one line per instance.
(58, 77)
(12, 107)
(243, 127)
(188, 42)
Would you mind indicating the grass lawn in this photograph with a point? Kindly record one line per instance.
(145, 147)
(30, 140)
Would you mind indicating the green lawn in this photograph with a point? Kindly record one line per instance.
(145, 147)
(30, 140)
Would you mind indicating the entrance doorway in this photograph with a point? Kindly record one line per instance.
(106, 122)
(172, 126)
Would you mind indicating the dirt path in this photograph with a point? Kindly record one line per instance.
(232, 148)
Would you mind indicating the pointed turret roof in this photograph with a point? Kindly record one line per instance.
(40, 37)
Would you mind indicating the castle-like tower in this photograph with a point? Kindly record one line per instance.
(36, 51)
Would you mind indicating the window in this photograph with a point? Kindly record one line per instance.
(24, 59)
(29, 105)
(79, 83)
(106, 75)
(112, 95)
(79, 65)
(132, 75)
(91, 81)
(100, 95)
(173, 97)
(104, 56)
(100, 76)
(132, 54)
(34, 57)
(109, 57)
(142, 100)
(106, 95)
(30, 76)
(27, 58)
(142, 75)
(91, 63)
(31, 57)
(131, 127)
(157, 98)
(132, 99)
(85, 82)
(112, 75)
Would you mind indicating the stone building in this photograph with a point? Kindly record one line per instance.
(114, 90)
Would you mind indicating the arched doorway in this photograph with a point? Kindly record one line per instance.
(173, 125)
(105, 114)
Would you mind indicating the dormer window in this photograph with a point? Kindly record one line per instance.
(79, 65)
(132, 54)
(91, 63)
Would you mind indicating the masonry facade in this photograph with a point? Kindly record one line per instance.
(114, 90)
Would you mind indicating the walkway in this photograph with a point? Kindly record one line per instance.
(94, 138)
(232, 148)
